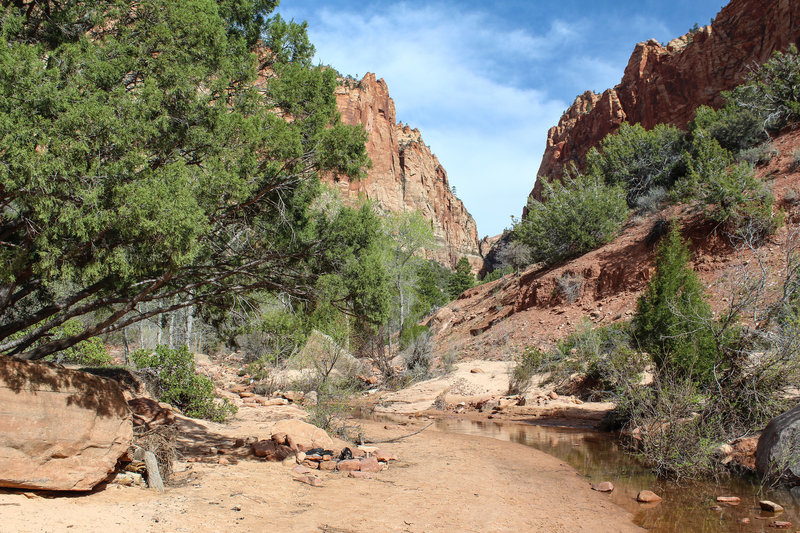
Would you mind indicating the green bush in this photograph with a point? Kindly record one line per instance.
(772, 91)
(176, 382)
(672, 320)
(530, 362)
(729, 193)
(733, 127)
(574, 216)
(639, 159)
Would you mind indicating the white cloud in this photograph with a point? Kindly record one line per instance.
(448, 73)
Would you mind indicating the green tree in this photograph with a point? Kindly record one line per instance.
(638, 159)
(145, 165)
(408, 234)
(574, 216)
(772, 91)
(462, 280)
(672, 317)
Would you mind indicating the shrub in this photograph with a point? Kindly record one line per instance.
(672, 317)
(639, 159)
(514, 256)
(574, 216)
(729, 193)
(570, 286)
(733, 127)
(759, 154)
(674, 437)
(529, 363)
(173, 375)
(771, 91)
(333, 408)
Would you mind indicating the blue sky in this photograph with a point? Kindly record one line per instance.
(484, 81)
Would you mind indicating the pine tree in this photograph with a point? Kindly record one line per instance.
(462, 279)
(672, 318)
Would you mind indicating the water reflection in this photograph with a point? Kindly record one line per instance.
(686, 508)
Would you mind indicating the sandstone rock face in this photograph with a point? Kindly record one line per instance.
(406, 175)
(59, 429)
(667, 83)
(778, 452)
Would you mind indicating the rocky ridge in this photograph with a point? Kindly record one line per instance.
(666, 83)
(405, 175)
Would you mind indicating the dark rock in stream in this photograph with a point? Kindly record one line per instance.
(778, 452)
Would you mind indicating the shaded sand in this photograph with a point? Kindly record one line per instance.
(442, 482)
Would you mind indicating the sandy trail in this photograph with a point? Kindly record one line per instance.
(442, 482)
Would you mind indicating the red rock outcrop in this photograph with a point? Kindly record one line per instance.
(665, 84)
(405, 175)
(60, 429)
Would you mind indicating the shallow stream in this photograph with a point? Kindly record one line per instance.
(685, 508)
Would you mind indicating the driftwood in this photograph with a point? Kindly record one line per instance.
(154, 480)
(398, 438)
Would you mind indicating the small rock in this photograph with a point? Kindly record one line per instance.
(772, 507)
(361, 475)
(311, 464)
(310, 398)
(647, 496)
(212, 450)
(301, 469)
(349, 465)
(223, 461)
(730, 500)
(293, 396)
(246, 394)
(553, 395)
(476, 371)
(270, 402)
(605, 486)
(384, 457)
(716, 508)
(327, 465)
(370, 464)
(129, 479)
(314, 481)
(326, 457)
(300, 457)
(777, 524)
(279, 438)
(744, 520)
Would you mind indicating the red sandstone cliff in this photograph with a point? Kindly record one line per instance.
(406, 175)
(667, 83)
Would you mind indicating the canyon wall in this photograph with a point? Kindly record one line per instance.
(667, 83)
(405, 175)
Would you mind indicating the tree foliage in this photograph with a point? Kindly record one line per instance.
(574, 216)
(462, 279)
(145, 162)
(638, 159)
(672, 315)
(772, 91)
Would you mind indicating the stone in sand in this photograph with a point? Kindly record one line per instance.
(647, 496)
(605, 486)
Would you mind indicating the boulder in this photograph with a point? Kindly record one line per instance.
(271, 450)
(349, 465)
(150, 413)
(778, 451)
(60, 429)
(370, 464)
(304, 435)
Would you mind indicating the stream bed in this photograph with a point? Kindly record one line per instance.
(686, 507)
